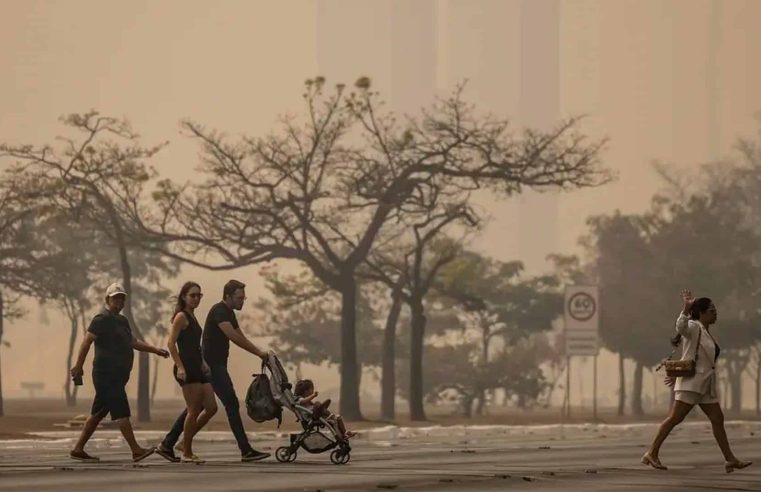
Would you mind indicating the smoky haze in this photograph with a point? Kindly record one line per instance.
(675, 81)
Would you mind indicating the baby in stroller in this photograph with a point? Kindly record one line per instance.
(322, 431)
(305, 395)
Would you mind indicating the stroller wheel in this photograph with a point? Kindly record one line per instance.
(338, 457)
(284, 455)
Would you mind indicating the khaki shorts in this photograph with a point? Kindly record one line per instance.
(695, 398)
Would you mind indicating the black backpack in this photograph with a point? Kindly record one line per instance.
(260, 404)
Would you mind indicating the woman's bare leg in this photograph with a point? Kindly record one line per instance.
(193, 394)
(716, 416)
(679, 411)
(209, 402)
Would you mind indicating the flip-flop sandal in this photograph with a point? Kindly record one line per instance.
(136, 458)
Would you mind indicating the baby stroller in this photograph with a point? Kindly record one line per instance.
(319, 434)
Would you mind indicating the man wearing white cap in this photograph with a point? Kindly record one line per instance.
(114, 345)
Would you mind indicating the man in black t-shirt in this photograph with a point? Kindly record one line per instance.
(221, 327)
(114, 345)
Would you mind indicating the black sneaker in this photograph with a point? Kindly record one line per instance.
(254, 455)
(167, 454)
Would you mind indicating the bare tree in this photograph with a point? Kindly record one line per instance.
(8, 310)
(99, 178)
(321, 192)
(19, 252)
(66, 278)
(409, 269)
(499, 304)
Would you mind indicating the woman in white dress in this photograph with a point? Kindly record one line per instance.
(693, 328)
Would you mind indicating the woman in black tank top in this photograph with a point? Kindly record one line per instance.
(189, 347)
(190, 371)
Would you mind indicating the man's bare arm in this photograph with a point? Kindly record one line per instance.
(84, 348)
(141, 346)
(239, 339)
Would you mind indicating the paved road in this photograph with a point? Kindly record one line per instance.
(484, 458)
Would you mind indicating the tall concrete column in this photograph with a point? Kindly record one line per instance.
(539, 107)
(712, 80)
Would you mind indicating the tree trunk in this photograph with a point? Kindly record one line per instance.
(388, 375)
(735, 364)
(734, 376)
(621, 386)
(485, 342)
(417, 335)
(485, 339)
(83, 324)
(758, 385)
(481, 403)
(154, 385)
(466, 406)
(143, 387)
(143, 378)
(349, 404)
(723, 383)
(2, 320)
(637, 391)
(71, 398)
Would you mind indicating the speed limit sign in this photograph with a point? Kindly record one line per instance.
(582, 306)
(581, 319)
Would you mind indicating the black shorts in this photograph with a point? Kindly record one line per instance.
(193, 374)
(110, 397)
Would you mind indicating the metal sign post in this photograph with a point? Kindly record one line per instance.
(568, 387)
(594, 390)
(582, 310)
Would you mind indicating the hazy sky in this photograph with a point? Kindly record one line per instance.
(669, 80)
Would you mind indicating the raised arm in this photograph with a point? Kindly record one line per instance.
(239, 339)
(683, 321)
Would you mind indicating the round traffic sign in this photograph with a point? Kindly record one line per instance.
(581, 306)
